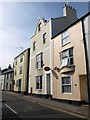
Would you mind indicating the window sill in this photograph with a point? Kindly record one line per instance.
(65, 44)
(67, 93)
(68, 66)
(39, 68)
(38, 89)
(67, 69)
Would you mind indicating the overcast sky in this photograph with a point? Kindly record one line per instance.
(18, 22)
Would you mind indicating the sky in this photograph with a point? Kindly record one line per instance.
(18, 21)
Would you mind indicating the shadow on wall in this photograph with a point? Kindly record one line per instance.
(55, 74)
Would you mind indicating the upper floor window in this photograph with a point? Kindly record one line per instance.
(67, 57)
(34, 45)
(15, 72)
(39, 61)
(7, 76)
(21, 58)
(39, 27)
(65, 38)
(10, 75)
(21, 69)
(38, 82)
(44, 38)
(15, 62)
(66, 84)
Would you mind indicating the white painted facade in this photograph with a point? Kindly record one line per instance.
(1, 82)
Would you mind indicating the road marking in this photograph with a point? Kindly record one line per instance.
(11, 109)
(75, 114)
(68, 112)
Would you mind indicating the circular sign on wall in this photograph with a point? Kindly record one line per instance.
(47, 68)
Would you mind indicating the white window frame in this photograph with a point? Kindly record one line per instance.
(65, 37)
(66, 84)
(39, 61)
(40, 80)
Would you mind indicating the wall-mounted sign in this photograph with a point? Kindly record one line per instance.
(47, 68)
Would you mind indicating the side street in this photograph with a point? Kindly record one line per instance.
(54, 71)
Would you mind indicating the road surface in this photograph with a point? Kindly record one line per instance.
(15, 107)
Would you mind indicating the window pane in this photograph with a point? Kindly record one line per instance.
(37, 82)
(39, 60)
(66, 89)
(39, 64)
(64, 54)
(71, 61)
(66, 80)
(44, 37)
(71, 52)
(65, 38)
(40, 82)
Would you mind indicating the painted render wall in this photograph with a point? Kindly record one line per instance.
(51, 27)
(9, 80)
(87, 35)
(1, 82)
(40, 47)
(76, 41)
(22, 76)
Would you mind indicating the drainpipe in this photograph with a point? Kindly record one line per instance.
(87, 61)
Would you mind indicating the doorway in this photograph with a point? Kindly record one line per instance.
(48, 81)
(19, 86)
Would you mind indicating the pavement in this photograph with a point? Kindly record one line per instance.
(81, 111)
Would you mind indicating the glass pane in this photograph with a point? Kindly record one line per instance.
(37, 82)
(66, 89)
(66, 80)
(64, 54)
(39, 65)
(71, 52)
(71, 61)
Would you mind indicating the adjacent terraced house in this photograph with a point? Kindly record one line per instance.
(8, 79)
(69, 59)
(21, 71)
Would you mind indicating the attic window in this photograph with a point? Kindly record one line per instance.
(39, 27)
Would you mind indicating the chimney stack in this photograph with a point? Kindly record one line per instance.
(69, 11)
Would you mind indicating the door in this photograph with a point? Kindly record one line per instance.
(48, 84)
(19, 85)
(10, 87)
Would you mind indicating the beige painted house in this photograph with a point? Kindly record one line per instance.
(21, 71)
(69, 63)
(40, 81)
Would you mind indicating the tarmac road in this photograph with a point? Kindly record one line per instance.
(14, 107)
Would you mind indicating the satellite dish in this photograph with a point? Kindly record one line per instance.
(47, 68)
